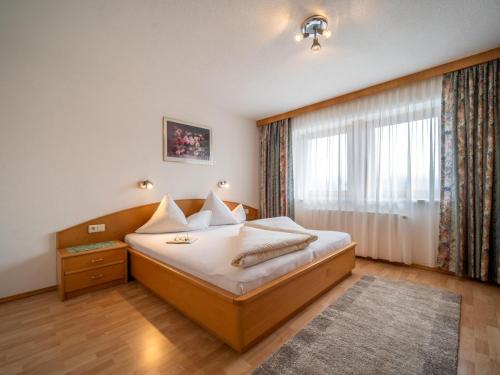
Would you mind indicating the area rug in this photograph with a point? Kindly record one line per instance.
(379, 326)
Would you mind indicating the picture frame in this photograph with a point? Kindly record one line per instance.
(185, 142)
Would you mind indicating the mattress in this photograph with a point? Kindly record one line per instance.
(209, 258)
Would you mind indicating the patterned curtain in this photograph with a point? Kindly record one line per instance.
(276, 175)
(469, 238)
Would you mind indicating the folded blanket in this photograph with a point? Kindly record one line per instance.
(264, 239)
(279, 224)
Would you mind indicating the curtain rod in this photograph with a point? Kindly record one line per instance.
(394, 83)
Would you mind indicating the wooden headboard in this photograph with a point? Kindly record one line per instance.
(119, 224)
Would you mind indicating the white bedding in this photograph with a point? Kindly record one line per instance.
(209, 258)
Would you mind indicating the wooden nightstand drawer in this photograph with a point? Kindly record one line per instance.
(94, 277)
(89, 267)
(96, 259)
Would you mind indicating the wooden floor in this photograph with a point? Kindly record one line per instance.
(127, 330)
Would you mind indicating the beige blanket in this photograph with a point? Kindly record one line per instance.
(264, 239)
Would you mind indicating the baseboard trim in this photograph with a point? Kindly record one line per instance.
(413, 265)
(28, 294)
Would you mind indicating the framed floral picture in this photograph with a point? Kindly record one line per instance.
(186, 143)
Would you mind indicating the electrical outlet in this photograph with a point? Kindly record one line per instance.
(95, 228)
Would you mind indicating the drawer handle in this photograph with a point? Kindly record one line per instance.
(96, 276)
(97, 260)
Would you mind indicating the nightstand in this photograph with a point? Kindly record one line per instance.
(86, 268)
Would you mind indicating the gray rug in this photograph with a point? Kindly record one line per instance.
(378, 326)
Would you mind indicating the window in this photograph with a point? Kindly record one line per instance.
(328, 177)
(408, 158)
(377, 154)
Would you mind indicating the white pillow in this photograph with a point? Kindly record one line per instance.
(168, 217)
(199, 220)
(239, 213)
(221, 214)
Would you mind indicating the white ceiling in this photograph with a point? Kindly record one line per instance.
(243, 53)
(240, 55)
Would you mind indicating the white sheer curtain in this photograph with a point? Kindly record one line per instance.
(370, 167)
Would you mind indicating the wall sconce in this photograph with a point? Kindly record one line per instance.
(146, 184)
(223, 184)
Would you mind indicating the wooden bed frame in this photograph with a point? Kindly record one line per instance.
(239, 321)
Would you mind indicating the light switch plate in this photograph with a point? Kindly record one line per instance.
(95, 228)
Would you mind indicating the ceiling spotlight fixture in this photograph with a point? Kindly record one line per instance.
(314, 26)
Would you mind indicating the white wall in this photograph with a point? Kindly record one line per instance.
(81, 103)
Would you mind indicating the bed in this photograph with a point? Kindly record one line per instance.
(209, 258)
(240, 306)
